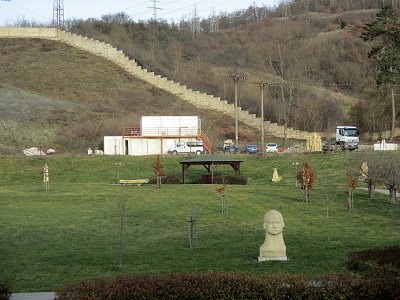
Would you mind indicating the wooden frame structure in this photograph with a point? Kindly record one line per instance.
(209, 162)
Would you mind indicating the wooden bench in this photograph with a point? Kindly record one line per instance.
(133, 181)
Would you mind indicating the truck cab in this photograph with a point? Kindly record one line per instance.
(347, 137)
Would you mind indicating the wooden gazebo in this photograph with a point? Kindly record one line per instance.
(210, 162)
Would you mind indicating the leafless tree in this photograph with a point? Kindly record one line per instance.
(385, 168)
(370, 169)
(351, 186)
(158, 171)
(122, 209)
(284, 60)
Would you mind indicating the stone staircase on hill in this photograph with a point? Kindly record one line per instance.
(196, 98)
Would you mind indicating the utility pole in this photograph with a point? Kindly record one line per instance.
(236, 79)
(262, 84)
(58, 13)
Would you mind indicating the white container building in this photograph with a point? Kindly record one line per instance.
(156, 135)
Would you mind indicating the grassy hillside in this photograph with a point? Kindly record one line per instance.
(313, 61)
(55, 96)
(72, 231)
(317, 65)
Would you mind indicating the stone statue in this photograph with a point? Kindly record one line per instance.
(274, 247)
(275, 176)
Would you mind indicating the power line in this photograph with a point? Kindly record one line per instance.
(155, 8)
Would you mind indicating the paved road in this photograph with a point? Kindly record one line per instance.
(33, 296)
(383, 191)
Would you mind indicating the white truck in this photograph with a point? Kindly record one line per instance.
(187, 147)
(347, 138)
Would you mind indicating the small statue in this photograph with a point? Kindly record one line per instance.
(275, 176)
(274, 247)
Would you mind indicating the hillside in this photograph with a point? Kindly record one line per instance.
(316, 65)
(56, 96)
(312, 60)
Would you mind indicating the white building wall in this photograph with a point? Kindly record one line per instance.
(113, 145)
(383, 146)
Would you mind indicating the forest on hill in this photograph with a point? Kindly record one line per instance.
(310, 52)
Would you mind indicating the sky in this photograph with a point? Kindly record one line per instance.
(41, 11)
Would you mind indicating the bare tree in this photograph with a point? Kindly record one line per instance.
(390, 175)
(158, 171)
(351, 186)
(122, 209)
(385, 168)
(278, 61)
(370, 169)
(176, 50)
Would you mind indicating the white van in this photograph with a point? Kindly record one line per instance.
(184, 147)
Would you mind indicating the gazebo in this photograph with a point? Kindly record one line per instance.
(210, 162)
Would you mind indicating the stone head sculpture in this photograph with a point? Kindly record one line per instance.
(273, 247)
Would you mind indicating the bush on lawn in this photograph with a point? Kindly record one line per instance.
(4, 292)
(166, 180)
(371, 262)
(231, 179)
(217, 285)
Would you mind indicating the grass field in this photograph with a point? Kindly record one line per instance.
(72, 231)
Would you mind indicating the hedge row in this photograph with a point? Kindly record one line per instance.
(215, 285)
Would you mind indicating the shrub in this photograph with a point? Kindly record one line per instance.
(376, 262)
(170, 180)
(4, 292)
(166, 180)
(231, 179)
(218, 285)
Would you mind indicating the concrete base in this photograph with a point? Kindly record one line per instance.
(281, 258)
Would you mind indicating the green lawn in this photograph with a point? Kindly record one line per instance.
(72, 231)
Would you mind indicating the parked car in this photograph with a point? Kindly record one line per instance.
(250, 149)
(231, 148)
(271, 147)
(186, 147)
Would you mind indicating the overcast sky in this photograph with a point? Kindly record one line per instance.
(41, 11)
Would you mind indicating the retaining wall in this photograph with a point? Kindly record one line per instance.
(198, 99)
